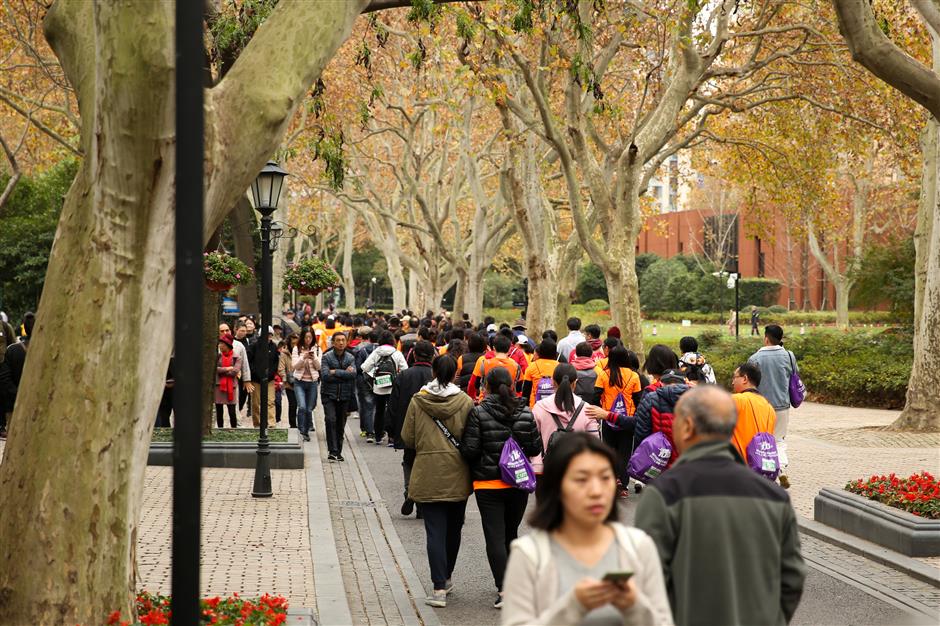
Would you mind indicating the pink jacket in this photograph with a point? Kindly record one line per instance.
(543, 411)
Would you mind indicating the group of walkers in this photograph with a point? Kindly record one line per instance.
(13, 346)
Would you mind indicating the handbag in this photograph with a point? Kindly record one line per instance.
(797, 388)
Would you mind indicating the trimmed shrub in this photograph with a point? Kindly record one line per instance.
(596, 305)
(777, 308)
(760, 292)
(791, 318)
(591, 283)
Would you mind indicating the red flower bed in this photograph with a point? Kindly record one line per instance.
(919, 494)
(233, 611)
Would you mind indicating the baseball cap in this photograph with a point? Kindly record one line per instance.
(519, 323)
(522, 339)
(364, 331)
(672, 376)
(492, 328)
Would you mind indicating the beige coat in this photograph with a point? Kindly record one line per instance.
(439, 473)
(531, 593)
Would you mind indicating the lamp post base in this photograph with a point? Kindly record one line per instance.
(262, 485)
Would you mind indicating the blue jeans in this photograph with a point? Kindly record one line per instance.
(306, 392)
(366, 407)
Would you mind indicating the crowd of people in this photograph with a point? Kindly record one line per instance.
(14, 344)
(466, 402)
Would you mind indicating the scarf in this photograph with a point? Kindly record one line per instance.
(226, 382)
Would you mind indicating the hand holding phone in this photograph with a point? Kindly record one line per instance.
(618, 578)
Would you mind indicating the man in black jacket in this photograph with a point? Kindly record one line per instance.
(337, 386)
(256, 360)
(408, 383)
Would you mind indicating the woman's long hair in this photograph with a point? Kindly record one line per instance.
(564, 375)
(444, 369)
(499, 383)
(618, 359)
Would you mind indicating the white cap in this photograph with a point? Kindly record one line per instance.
(492, 328)
(331, 317)
(521, 339)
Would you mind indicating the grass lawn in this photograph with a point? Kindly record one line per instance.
(239, 435)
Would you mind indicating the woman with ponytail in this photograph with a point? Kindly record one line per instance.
(501, 415)
(561, 406)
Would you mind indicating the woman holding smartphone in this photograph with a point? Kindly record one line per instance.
(306, 366)
(580, 566)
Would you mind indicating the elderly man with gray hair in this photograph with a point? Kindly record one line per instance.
(727, 537)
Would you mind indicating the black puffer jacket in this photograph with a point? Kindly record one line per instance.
(489, 426)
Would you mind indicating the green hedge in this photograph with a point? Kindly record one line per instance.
(768, 316)
(864, 369)
(761, 292)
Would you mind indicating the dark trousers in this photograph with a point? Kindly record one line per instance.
(501, 511)
(366, 406)
(381, 403)
(622, 442)
(291, 407)
(231, 415)
(334, 414)
(443, 522)
(243, 396)
(163, 412)
(407, 463)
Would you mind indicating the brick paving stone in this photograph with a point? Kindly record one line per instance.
(250, 546)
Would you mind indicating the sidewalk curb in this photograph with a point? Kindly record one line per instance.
(412, 598)
(904, 564)
(330, 591)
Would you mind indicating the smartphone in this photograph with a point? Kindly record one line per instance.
(618, 578)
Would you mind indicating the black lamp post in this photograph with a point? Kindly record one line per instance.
(266, 193)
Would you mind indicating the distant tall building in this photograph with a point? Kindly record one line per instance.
(669, 189)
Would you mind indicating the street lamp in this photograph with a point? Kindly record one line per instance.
(371, 302)
(266, 193)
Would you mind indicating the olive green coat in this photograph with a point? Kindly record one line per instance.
(439, 473)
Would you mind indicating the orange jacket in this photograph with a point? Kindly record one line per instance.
(754, 415)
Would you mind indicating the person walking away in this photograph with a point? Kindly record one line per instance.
(755, 415)
(306, 371)
(592, 335)
(381, 370)
(732, 321)
(283, 386)
(406, 386)
(566, 345)
(476, 349)
(727, 538)
(440, 479)
(257, 353)
(556, 574)
(364, 396)
(563, 410)
(500, 358)
(660, 360)
(609, 344)
(688, 346)
(656, 411)
(14, 360)
(226, 372)
(516, 353)
(776, 365)
(166, 399)
(338, 373)
(618, 391)
(583, 360)
(499, 416)
(537, 382)
(755, 321)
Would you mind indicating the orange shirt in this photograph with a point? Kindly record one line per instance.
(629, 385)
(540, 368)
(754, 415)
(485, 365)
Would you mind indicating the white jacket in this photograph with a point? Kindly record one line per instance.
(368, 366)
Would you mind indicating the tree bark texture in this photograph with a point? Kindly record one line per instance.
(73, 468)
(243, 232)
(349, 282)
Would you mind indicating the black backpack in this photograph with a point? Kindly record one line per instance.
(385, 372)
(561, 431)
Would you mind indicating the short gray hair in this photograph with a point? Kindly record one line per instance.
(711, 409)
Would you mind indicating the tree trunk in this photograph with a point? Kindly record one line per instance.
(397, 278)
(843, 288)
(922, 408)
(930, 145)
(279, 261)
(243, 231)
(460, 295)
(349, 282)
(72, 473)
(415, 293)
(804, 278)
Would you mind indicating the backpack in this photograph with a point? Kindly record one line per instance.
(620, 408)
(650, 458)
(385, 372)
(561, 431)
(762, 454)
(544, 388)
(514, 467)
(797, 389)
(585, 385)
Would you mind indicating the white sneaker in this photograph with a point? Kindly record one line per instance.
(438, 598)
(449, 586)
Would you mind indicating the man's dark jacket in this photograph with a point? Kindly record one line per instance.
(256, 360)
(340, 385)
(489, 426)
(727, 538)
(407, 384)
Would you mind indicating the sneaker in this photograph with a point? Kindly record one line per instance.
(331, 457)
(449, 586)
(339, 457)
(499, 601)
(408, 507)
(637, 487)
(390, 444)
(784, 481)
(306, 437)
(370, 439)
(362, 433)
(438, 598)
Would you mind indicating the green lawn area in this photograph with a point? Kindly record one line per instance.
(226, 435)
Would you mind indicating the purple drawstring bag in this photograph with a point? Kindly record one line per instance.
(797, 388)
(650, 458)
(762, 456)
(515, 468)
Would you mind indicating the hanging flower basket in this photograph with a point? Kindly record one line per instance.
(310, 277)
(223, 271)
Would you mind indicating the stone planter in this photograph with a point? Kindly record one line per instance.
(881, 524)
(289, 455)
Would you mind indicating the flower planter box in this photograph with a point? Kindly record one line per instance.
(288, 455)
(211, 285)
(881, 524)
